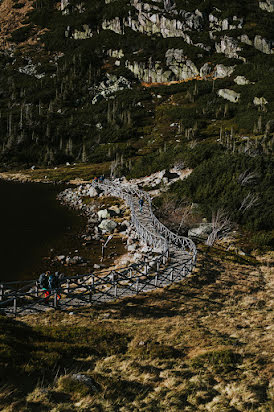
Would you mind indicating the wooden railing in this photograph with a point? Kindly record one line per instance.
(157, 270)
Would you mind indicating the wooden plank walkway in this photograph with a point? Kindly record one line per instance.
(171, 258)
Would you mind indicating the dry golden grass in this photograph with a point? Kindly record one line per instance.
(202, 344)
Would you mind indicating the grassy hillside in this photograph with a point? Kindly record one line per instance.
(203, 344)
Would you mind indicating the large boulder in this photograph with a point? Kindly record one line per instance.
(222, 71)
(200, 232)
(267, 5)
(92, 192)
(260, 101)
(241, 80)
(108, 225)
(229, 95)
(263, 45)
(103, 214)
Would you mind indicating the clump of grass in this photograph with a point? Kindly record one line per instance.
(220, 360)
(153, 349)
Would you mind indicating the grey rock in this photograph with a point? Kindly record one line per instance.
(205, 70)
(260, 101)
(200, 232)
(263, 45)
(88, 381)
(103, 214)
(222, 71)
(60, 257)
(92, 192)
(108, 225)
(267, 5)
(132, 248)
(229, 95)
(241, 80)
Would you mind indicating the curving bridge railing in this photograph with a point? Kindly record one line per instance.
(174, 259)
(127, 192)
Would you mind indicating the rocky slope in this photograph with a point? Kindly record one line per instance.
(141, 86)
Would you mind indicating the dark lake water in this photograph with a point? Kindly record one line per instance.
(32, 223)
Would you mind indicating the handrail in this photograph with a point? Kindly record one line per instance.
(134, 278)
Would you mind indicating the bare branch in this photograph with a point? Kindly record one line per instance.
(221, 226)
(247, 177)
(249, 201)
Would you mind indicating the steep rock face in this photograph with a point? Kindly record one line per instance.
(150, 19)
(229, 46)
(260, 43)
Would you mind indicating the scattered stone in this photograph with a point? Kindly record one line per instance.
(108, 225)
(60, 258)
(88, 381)
(260, 101)
(103, 214)
(229, 95)
(241, 80)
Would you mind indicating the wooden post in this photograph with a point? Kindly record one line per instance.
(1, 292)
(130, 273)
(55, 300)
(137, 285)
(146, 269)
(184, 271)
(156, 280)
(14, 306)
(115, 289)
(158, 266)
(171, 275)
(67, 287)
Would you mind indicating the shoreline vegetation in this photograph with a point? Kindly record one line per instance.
(204, 343)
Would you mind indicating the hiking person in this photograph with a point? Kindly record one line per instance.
(141, 204)
(54, 284)
(44, 284)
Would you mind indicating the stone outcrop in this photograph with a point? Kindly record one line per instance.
(265, 46)
(108, 225)
(229, 46)
(148, 20)
(67, 8)
(109, 86)
(260, 101)
(222, 71)
(155, 73)
(217, 24)
(267, 5)
(229, 95)
(83, 34)
(260, 43)
(241, 80)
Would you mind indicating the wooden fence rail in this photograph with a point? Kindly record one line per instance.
(174, 259)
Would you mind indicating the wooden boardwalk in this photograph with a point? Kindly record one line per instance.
(171, 258)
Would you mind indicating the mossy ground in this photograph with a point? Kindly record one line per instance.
(202, 344)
